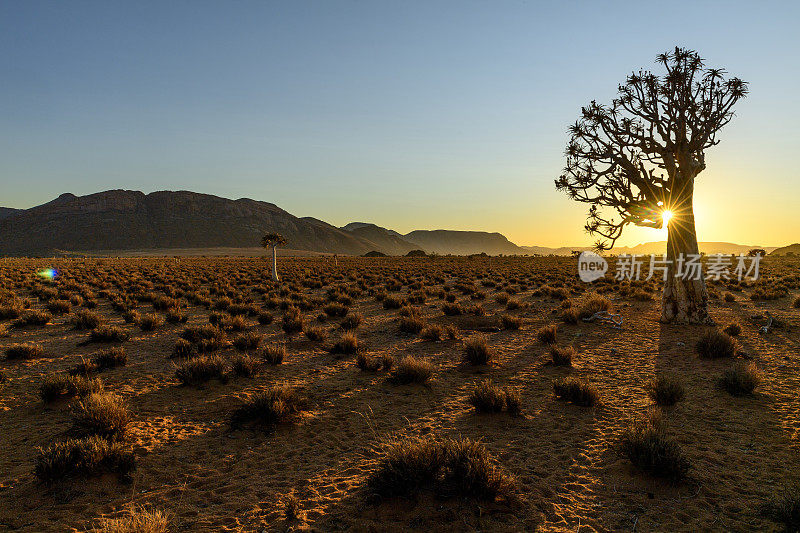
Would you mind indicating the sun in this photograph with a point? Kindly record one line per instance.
(666, 215)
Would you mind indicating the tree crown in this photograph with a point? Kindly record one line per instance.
(273, 239)
(617, 155)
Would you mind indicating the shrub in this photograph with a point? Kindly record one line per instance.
(200, 369)
(150, 321)
(33, 318)
(393, 302)
(277, 404)
(137, 520)
(273, 354)
(665, 389)
(451, 467)
(576, 391)
(59, 307)
(796, 303)
(351, 321)
(562, 356)
(487, 397)
(452, 309)
(646, 445)
(411, 370)
(369, 363)
(57, 386)
(84, 319)
(335, 310)
(292, 321)
(90, 456)
(316, 333)
(245, 366)
(27, 350)
(177, 316)
(131, 317)
(109, 334)
(742, 378)
(183, 349)
(102, 414)
(547, 334)
(733, 329)
(411, 324)
(347, 345)
(435, 332)
(729, 297)
(715, 344)
(206, 338)
(476, 350)
(510, 322)
(247, 341)
(110, 358)
(8, 312)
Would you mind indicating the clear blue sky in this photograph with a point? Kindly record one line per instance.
(412, 115)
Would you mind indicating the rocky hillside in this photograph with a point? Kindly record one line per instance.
(126, 220)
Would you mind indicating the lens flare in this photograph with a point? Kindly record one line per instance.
(48, 273)
(666, 215)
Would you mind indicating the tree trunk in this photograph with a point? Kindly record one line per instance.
(275, 265)
(685, 299)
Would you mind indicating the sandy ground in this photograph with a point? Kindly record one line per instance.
(208, 478)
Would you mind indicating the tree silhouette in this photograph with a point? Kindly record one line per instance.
(635, 162)
(273, 240)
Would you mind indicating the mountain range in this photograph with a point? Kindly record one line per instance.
(121, 220)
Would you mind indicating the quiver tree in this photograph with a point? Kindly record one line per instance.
(636, 160)
(273, 240)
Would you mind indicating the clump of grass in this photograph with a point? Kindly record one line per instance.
(291, 506)
(292, 321)
(592, 304)
(85, 319)
(335, 309)
(665, 389)
(59, 307)
(510, 322)
(109, 334)
(273, 354)
(411, 324)
(411, 369)
(477, 351)
(247, 341)
(729, 297)
(452, 467)
(277, 404)
(110, 358)
(796, 303)
(27, 350)
(647, 446)
(742, 378)
(33, 318)
(245, 366)
(177, 316)
(486, 397)
(316, 333)
(200, 370)
(89, 456)
(452, 309)
(576, 391)
(368, 363)
(435, 332)
(562, 356)
(351, 321)
(56, 386)
(346, 345)
(733, 329)
(715, 344)
(102, 414)
(183, 349)
(393, 302)
(205, 338)
(547, 334)
(137, 520)
(150, 321)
